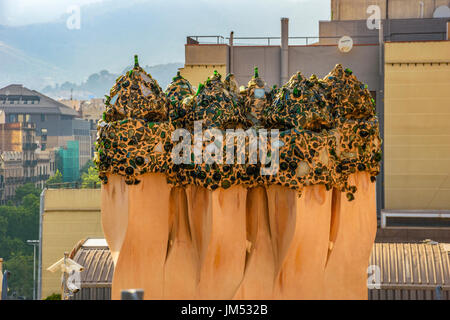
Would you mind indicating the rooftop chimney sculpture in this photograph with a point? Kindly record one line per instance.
(240, 194)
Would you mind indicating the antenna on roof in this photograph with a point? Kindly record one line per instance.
(71, 94)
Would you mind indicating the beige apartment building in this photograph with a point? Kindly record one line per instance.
(22, 161)
(417, 125)
(11, 174)
(69, 215)
(92, 111)
(392, 9)
(202, 59)
(46, 166)
(87, 109)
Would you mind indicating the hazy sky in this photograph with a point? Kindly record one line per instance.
(25, 12)
(111, 31)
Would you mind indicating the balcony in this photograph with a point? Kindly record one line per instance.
(29, 146)
(30, 163)
(43, 177)
(13, 180)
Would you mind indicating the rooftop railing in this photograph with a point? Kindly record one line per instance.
(313, 40)
(73, 185)
(276, 41)
(205, 40)
(296, 40)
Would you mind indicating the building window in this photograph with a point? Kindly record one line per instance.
(42, 117)
(13, 118)
(27, 118)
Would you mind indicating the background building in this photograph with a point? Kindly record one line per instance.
(392, 9)
(417, 125)
(20, 137)
(65, 220)
(89, 110)
(46, 166)
(22, 161)
(68, 161)
(11, 168)
(55, 123)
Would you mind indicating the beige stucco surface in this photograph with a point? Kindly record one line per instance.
(261, 243)
(69, 216)
(417, 125)
(196, 74)
(206, 54)
(202, 60)
(398, 9)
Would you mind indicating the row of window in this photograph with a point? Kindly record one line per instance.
(18, 172)
(81, 132)
(10, 191)
(14, 117)
(20, 101)
(14, 172)
(43, 170)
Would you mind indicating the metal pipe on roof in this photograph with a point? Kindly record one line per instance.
(284, 57)
(231, 53)
(380, 112)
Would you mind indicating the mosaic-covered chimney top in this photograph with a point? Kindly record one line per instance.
(327, 130)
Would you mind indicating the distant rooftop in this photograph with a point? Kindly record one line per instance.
(15, 98)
